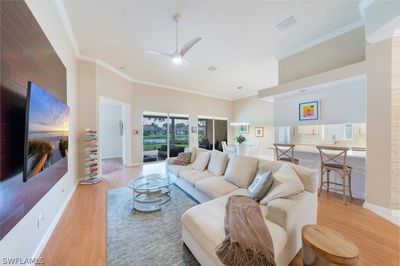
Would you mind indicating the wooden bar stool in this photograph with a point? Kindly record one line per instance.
(334, 159)
(285, 152)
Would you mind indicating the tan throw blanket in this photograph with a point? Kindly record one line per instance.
(248, 241)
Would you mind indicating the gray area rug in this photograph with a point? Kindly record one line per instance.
(135, 238)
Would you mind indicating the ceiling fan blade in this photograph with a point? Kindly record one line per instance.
(189, 45)
(160, 53)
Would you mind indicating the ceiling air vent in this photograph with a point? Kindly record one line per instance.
(286, 24)
(212, 68)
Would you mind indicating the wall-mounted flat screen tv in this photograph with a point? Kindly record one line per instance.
(46, 132)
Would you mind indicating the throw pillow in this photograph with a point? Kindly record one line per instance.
(286, 183)
(261, 183)
(183, 158)
(218, 161)
(241, 170)
(193, 157)
(201, 161)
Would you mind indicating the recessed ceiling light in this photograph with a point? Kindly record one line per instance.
(212, 68)
(285, 24)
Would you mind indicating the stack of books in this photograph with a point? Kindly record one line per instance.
(91, 158)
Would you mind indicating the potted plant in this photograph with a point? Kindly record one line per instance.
(242, 148)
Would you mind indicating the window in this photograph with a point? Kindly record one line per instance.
(284, 135)
(337, 131)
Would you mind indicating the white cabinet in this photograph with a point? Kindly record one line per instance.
(307, 130)
(362, 129)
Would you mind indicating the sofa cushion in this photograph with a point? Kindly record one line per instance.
(291, 211)
(200, 150)
(193, 176)
(218, 162)
(241, 170)
(286, 183)
(193, 157)
(205, 222)
(273, 166)
(215, 186)
(307, 176)
(261, 184)
(201, 161)
(175, 169)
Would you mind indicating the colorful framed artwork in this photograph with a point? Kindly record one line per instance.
(259, 132)
(309, 111)
(244, 129)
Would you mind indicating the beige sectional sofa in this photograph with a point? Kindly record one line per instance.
(203, 225)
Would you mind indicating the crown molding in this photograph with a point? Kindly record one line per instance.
(245, 96)
(144, 82)
(389, 30)
(321, 39)
(67, 25)
(396, 32)
(70, 34)
(363, 5)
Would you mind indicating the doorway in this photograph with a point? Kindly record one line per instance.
(114, 141)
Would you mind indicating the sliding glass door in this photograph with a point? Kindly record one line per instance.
(164, 135)
(178, 134)
(155, 137)
(212, 132)
(221, 133)
(205, 133)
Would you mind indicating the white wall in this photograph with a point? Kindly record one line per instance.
(254, 111)
(103, 82)
(346, 49)
(110, 115)
(26, 239)
(379, 56)
(344, 103)
(259, 113)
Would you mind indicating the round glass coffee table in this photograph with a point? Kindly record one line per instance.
(151, 192)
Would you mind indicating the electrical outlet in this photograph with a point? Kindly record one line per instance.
(40, 219)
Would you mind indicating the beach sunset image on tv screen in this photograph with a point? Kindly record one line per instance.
(46, 133)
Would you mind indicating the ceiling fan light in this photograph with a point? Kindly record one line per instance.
(177, 60)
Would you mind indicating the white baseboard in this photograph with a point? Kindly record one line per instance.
(391, 215)
(111, 157)
(54, 223)
(134, 164)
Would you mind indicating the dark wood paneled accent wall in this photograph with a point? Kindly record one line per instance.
(26, 55)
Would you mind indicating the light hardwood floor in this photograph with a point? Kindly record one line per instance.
(80, 236)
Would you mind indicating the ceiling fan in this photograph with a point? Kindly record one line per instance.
(177, 56)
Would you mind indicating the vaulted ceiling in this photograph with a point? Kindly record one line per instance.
(239, 38)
